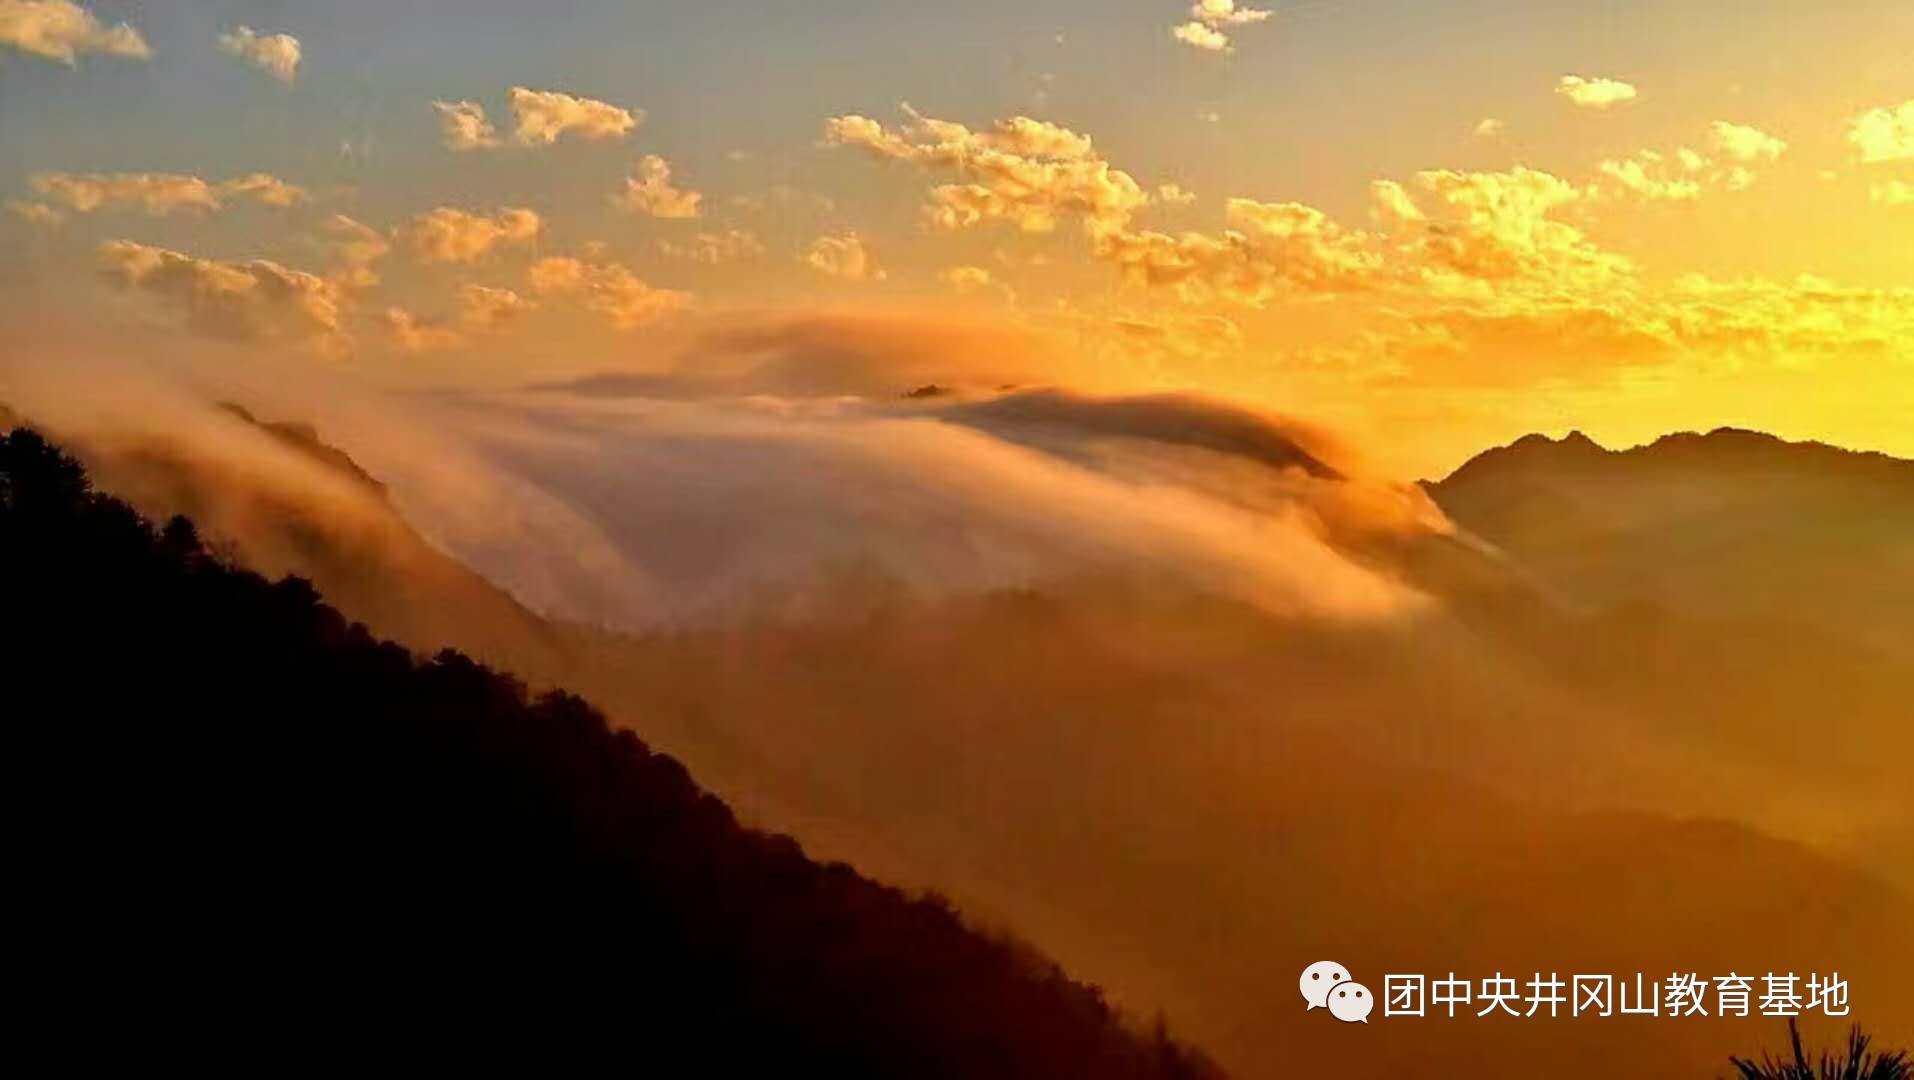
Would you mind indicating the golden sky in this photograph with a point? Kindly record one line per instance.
(1433, 230)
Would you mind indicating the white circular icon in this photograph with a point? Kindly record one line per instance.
(1319, 979)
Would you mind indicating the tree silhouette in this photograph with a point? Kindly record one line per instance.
(1857, 1064)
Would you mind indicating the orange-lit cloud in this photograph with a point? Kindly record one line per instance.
(416, 335)
(448, 234)
(254, 299)
(1208, 17)
(844, 256)
(160, 193)
(483, 307)
(650, 192)
(463, 126)
(357, 247)
(62, 30)
(275, 54)
(36, 213)
(714, 248)
(608, 288)
(544, 115)
(1027, 172)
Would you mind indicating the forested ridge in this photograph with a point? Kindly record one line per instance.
(238, 815)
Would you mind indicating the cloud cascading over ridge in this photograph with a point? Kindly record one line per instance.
(62, 30)
(275, 54)
(1598, 93)
(650, 192)
(161, 193)
(545, 115)
(450, 235)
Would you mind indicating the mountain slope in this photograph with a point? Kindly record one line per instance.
(218, 776)
(1724, 525)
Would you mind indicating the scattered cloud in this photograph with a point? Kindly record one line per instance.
(1744, 143)
(544, 115)
(1203, 37)
(356, 246)
(414, 334)
(275, 54)
(1884, 134)
(463, 126)
(36, 213)
(1595, 93)
(1208, 17)
(650, 192)
(966, 279)
(251, 300)
(1489, 127)
(448, 234)
(266, 188)
(1892, 193)
(62, 30)
(483, 307)
(714, 248)
(843, 256)
(1175, 195)
(608, 288)
(1024, 171)
(1649, 175)
(161, 193)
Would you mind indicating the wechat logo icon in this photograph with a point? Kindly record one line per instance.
(1326, 985)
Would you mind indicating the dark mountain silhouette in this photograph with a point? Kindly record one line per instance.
(1731, 524)
(238, 819)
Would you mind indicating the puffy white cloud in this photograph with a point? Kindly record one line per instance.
(1226, 13)
(844, 256)
(609, 289)
(1488, 128)
(275, 54)
(1197, 35)
(36, 213)
(61, 30)
(1595, 93)
(544, 115)
(463, 126)
(448, 234)
(1884, 134)
(255, 299)
(1208, 17)
(483, 307)
(1744, 143)
(732, 245)
(650, 192)
(1028, 172)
